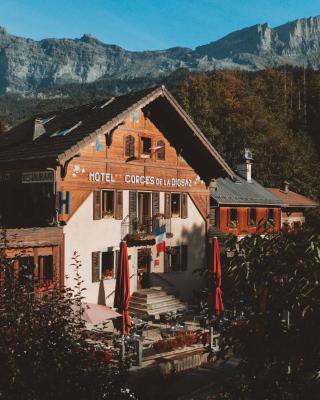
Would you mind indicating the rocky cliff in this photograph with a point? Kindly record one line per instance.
(28, 66)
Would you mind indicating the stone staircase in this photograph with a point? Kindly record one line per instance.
(153, 302)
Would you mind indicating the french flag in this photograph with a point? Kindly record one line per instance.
(160, 234)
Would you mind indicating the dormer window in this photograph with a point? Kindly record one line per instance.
(65, 131)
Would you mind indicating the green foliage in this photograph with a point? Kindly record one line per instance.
(274, 280)
(43, 349)
(273, 112)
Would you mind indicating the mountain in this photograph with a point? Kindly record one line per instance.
(28, 66)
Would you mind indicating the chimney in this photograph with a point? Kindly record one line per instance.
(245, 170)
(286, 187)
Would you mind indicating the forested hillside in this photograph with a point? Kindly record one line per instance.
(276, 113)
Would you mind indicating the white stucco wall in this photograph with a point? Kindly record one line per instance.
(85, 235)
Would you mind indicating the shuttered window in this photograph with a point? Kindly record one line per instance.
(129, 146)
(252, 216)
(184, 205)
(270, 214)
(167, 205)
(119, 204)
(96, 266)
(232, 217)
(175, 205)
(133, 204)
(155, 203)
(108, 204)
(161, 151)
(97, 204)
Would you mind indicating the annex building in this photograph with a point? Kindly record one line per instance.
(134, 168)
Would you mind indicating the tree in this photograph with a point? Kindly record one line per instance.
(274, 280)
(260, 111)
(44, 353)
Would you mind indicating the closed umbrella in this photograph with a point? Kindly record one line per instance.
(215, 302)
(122, 290)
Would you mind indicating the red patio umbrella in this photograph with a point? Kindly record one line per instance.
(215, 302)
(122, 290)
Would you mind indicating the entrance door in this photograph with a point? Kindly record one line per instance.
(144, 212)
(144, 265)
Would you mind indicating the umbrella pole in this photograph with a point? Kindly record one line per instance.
(123, 349)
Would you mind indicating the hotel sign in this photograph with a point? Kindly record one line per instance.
(140, 180)
(37, 177)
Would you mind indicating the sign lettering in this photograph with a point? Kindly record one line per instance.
(37, 177)
(140, 180)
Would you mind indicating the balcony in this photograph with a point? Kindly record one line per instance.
(141, 230)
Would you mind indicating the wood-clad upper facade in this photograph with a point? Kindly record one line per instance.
(106, 172)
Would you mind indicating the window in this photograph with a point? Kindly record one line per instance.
(161, 150)
(104, 264)
(178, 257)
(129, 146)
(107, 203)
(175, 204)
(107, 265)
(270, 214)
(146, 145)
(233, 217)
(252, 216)
(45, 268)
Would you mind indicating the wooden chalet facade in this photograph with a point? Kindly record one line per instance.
(86, 178)
(242, 206)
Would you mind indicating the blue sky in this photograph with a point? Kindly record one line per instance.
(147, 24)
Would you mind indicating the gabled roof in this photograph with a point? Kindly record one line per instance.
(84, 123)
(292, 199)
(241, 192)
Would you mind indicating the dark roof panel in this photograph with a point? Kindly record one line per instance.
(18, 143)
(239, 191)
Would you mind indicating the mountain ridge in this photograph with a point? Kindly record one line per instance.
(27, 65)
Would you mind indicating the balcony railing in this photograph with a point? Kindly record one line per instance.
(143, 227)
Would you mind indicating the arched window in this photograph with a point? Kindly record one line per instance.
(161, 152)
(129, 146)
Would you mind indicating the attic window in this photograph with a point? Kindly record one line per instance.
(45, 120)
(135, 116)
(64, 132)
(107, 103)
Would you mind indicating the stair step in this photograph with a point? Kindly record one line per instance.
(155, 306)
(150, 293)
(152, 300)
(159, 311)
